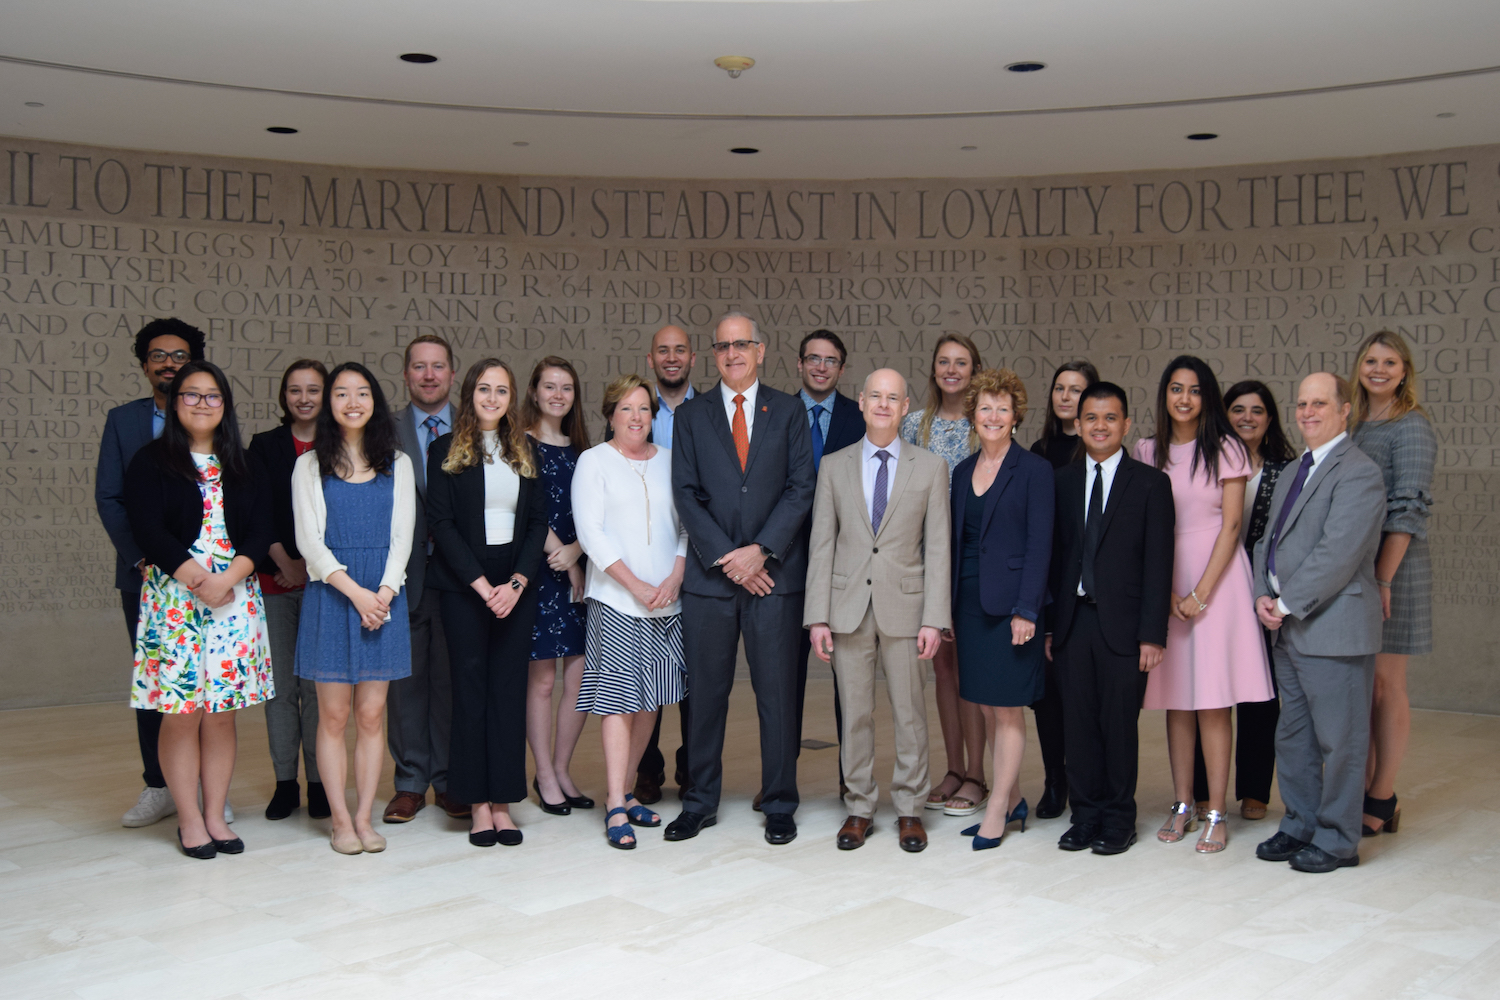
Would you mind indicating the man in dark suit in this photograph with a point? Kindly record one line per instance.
(419, 710)
(1111, 583)
(162, 347)
(742, 476)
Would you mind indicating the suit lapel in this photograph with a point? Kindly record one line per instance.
(144, 421)
(1003, 476)
(765, 401)
(720, 423)
(838, 415)
(1324, 469)
(897, 487)
(1116, 489)
(413, 448)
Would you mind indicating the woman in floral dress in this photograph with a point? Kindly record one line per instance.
(201, 651)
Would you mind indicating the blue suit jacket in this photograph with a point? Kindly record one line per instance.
(1015, 540)
(846, 425)
(127, 429)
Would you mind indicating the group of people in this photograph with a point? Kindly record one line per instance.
(433, 571)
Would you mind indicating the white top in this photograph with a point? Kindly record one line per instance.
(610, 506)
(1252, 487)
(502, 488)
(1108, 468)
(870, 468)
(311, 514)
(750, 395)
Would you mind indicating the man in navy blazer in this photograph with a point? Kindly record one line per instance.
(162, 347)
(743, 480)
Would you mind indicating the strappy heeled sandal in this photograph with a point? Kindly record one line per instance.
(962, 805)
(1388, 811)
(936, 799)
(1169, 834)
(1212, 820)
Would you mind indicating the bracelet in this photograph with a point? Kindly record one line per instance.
(1384, 583)
(1194, 595)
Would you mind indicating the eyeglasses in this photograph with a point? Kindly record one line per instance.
(213, 400)
(817, 361)
(724, 346)
(179, 357)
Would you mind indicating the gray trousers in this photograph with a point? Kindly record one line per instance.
(291, 716)
(1322, 742)
(419, 708)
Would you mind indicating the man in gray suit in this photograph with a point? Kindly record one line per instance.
(1315, 589)
(419, 711)
(878, 592)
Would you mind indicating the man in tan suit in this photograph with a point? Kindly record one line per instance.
(878, 591)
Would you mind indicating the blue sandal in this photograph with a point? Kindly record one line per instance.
(639, 814)
(617, 834)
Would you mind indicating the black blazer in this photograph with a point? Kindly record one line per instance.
(166, 512)
(846, 425)
(272, 455)
(1015, 540)
(455, 516)
(1133, 568)
(1260, 510)
(127, 429)
(724, 508)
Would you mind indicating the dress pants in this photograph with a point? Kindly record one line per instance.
(855, 655)
(147, 722)
(419, 709)
(1322, 742)
(1254, 748)
(712, 627)
(490, 659)
(1049, 730)
(1101, 693)
(804, 650)
(291, 716)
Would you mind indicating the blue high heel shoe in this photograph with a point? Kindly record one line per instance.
(1020, 812)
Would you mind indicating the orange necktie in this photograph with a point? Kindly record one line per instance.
(741, 435)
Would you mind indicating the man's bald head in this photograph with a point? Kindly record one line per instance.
(883, 402)
(1322, 408)
(883, 377)
(671, 357)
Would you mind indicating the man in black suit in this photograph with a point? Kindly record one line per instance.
(1111, 583)
(742, 476)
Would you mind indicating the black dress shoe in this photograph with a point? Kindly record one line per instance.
(317, 801)
(578, 801)
(648, 788)
(203, 852)
(555, 808)
(780, 828)
(285, 800)
(1053, 801)
(759, 796)
(1313, 858)
(1281, 847)
(1113, 842)
(483, 838)
(233, 845)
(686, 825)
(1080, 836)
(508, 838)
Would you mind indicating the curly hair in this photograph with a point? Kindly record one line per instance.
(996, 382)
(466, 448)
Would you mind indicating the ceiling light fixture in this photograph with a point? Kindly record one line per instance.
(1441, 114)
(282, 130)
(418, 57)
(520, 142)
(744, 150)
(1028, 66)
(39, 104)
(734, 65)
(1203, 136)
(968, 149)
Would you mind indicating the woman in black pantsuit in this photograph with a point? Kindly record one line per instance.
(488, 515)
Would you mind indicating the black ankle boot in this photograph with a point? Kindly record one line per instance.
(287, 798)
(317, 801)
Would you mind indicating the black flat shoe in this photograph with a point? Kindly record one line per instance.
(1053, 801)
(1313, 858)
(484, 838)
(577, 801)
(317, 801)
(555, 808)
(1113, 842)
(203, 852)
(1280, 847)
(780, 828)
(687, 826)
(285, 800)
(1080, 837)
(234, 845)
(508, 838)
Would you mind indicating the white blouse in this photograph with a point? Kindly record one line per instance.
(311, 513)
(623, 510)
(502, 489)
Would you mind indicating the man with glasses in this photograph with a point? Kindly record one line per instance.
(162, 347)
(743, 480)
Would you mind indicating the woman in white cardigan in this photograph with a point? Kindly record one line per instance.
(628, 526)
(354, 499)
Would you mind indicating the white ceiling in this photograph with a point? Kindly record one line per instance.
(842, 89)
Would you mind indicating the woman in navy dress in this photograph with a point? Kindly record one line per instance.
(554, 426)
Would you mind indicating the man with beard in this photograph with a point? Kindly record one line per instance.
(671, 360)
(162, 347)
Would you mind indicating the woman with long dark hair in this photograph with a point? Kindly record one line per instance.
(1215, 655)
(291, 716)
(354, 497)
(201, 653)
(555, 427)
(487, 511)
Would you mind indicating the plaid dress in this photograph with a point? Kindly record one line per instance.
(1406, 451)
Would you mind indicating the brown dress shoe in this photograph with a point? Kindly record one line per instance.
(404, 807)
(758, 797)
(913, 836)
(1252, 809)
(457, 810)
(852, 834)
(648, 789)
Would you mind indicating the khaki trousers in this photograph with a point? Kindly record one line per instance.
(855, 655)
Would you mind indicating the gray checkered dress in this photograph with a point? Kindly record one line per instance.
(1406, 451)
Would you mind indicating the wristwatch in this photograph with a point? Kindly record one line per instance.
(515, 584)
(766, 551)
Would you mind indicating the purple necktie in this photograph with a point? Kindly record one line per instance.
(877, 503)
(1286, 508)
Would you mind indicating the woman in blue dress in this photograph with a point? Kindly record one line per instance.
(556, 430)
(354, 498)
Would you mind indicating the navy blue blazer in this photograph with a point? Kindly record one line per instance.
(127, 429)
(846, 426)
(1015, 542)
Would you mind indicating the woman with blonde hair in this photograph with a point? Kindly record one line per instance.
(1389, 425)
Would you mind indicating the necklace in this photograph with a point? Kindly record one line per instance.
(641, 474)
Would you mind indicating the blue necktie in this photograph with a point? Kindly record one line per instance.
(817, 433)
(877, 503)
(1286, 508)
(431, 423)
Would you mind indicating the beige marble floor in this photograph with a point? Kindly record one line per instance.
(88, 909)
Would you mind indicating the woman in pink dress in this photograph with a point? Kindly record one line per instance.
(1215, 657)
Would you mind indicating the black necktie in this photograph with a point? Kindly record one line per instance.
(1092, 529)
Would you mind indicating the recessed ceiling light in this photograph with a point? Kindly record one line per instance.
(744, 150)
(968, 149)
(1028, 66)
(520, 143)
(282, 130)
(417, 57)
(38, 104)
(1203, 136)
(1441, 114)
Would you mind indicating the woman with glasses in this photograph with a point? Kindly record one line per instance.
(197, 513)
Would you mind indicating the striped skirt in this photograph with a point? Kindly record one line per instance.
(630, 664)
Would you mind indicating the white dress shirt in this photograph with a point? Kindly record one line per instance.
(502, 489)
(1318, 454)
(750, 395)
(1109, 467)
(870, 468)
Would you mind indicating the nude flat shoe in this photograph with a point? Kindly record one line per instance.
(372, 842)
(347, 843)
